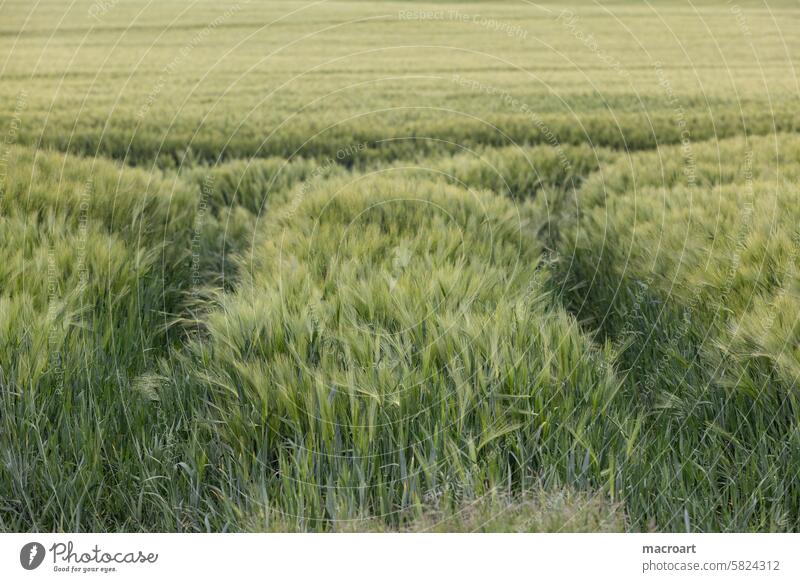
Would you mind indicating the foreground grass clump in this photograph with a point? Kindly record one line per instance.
(689, 264)
(393, 342)
(97, 268)
(392, 354)
(716, 233)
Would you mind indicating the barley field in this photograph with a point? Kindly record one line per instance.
(399, 266)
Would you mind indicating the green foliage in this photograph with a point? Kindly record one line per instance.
(373, 273)
(538, 512)
(254, 184)
(394, 341)
(689, 264)
(247, 80)
(535, 511)
(97, 271)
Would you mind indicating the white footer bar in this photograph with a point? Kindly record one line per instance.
(382, 557)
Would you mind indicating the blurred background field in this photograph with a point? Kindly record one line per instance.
(142, 82)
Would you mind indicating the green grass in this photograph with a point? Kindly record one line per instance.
(393, 339)
(535, 511)
(167, 83)
(696, 285)
(279, 267)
